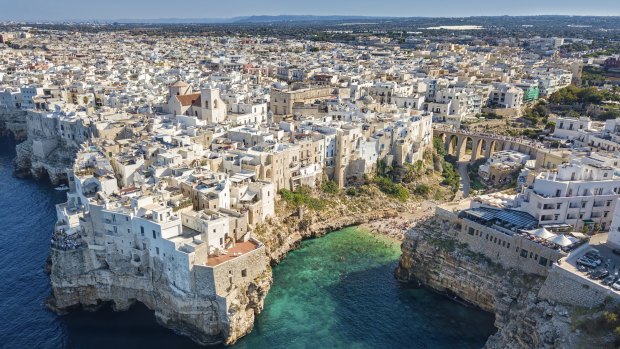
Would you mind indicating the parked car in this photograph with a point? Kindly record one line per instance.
(599, 274)
(616, 285)
(586, 262)
(591, 260)
(616, 251)
(609, 280)
(593, 255)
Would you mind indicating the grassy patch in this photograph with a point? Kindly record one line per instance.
(301, 197)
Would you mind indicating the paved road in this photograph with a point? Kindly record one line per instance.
(464, 190)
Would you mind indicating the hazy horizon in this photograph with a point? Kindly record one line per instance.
(87, 10)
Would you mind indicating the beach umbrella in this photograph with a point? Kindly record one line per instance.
(542, 233)
(561, 240)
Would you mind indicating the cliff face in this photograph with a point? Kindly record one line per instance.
(53, 166)
(433, 258)
(89, 278)
(13, 123)
(285, 232)
(42, 152)
(83, 277)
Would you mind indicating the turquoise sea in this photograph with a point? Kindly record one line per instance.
(334, 292)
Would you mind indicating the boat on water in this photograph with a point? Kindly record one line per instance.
(62, 187)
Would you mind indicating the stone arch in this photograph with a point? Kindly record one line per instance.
(268, 173)
(452, 145)
(481, 147)
(465, 148)
(491, 148)
(442, 136)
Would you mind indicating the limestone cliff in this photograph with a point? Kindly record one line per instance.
(42, 152)
(13, 123)
(285, 232)
(90, 277)
(83, 277)
(433, 258)
(53, 166)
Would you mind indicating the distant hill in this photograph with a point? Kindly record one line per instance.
(178, 20)
(299, 18)
(246, 19)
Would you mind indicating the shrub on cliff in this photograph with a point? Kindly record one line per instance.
(301, 197)
(330, 187)
(422, 190)
(392, 189)
(451, 176)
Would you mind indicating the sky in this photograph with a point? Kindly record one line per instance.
(32, 10)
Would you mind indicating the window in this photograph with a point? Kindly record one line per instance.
(470, 231)
(244, 273)
(157, 250)
(542, 261)
(524, 253)
(142, 231)
(154, 235)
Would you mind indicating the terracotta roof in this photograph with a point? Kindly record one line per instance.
(192, 98)
(239, 249)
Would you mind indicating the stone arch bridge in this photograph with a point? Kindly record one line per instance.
(469, 146)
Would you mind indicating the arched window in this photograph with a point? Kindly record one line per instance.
(215, 104)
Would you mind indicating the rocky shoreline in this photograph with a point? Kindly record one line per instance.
(83, 278)
(432, 258)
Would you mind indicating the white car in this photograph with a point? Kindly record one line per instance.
(616, 285)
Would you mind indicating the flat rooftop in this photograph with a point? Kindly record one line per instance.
(240, 249)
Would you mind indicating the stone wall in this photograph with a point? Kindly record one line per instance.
(229, 274)
(508, 250)
(565, 287)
